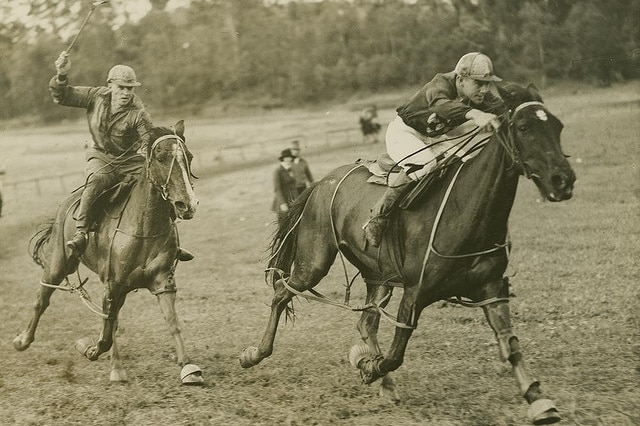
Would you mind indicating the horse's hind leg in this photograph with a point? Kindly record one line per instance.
(53, 275)
(303, 278)
(51, 255)
(27, 336)
(375, 366)
(368, 328)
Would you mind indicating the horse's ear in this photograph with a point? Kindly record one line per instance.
(533, 91)
(507, 93)
(179, 127)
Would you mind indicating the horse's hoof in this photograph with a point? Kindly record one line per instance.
(543, 412)
(388, 390)
(118, 375)
(20, 344)
(87, 347)
(249, 357)
(191, 375)
(358, 353)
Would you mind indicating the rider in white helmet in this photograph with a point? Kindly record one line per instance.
(449, 105)
(119, 125)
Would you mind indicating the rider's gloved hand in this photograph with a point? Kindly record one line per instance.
(63, 64)
(485, 120)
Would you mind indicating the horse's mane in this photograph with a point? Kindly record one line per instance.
(514, 94)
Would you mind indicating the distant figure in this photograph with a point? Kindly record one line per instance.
(301, 172)
(368, 124)
(284, 184)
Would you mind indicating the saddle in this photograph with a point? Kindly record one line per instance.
(382, 171)
(110, 202)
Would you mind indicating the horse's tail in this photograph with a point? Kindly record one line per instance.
(284, 241)
(38, 241)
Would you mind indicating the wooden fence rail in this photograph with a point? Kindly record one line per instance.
(210, 160)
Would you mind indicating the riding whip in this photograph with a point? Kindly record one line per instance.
(86, 19)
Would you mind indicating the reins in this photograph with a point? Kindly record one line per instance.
(509, 145)
(319, 297)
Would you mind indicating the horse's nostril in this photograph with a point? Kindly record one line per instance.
(180, 205)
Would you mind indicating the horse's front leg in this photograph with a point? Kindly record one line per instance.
(541, 410)
(368, 328)
(112, 301)
(118, 373)
(191, 374)
(375, 366)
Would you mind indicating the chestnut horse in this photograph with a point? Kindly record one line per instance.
(135, 245)
(450, 243)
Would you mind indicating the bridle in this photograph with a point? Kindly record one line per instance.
(180, 146)
(508, 141)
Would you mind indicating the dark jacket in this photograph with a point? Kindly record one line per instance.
(122, 133)
(437, 108)
(301, 173)
(284, 188)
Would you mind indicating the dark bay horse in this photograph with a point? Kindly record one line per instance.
(451, 243)
(135, 245)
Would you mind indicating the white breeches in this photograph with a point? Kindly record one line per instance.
(408, 147)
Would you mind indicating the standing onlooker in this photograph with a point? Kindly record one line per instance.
(284, 184)
(301, 172)
(368, 125)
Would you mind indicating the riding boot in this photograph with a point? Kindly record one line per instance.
(78, 243)
(378, 220)
(184, 255)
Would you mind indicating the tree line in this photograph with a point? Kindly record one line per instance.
(271, 54)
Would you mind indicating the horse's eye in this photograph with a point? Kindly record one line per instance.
(523, 129)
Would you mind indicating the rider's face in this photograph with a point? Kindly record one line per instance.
(475, 90)
(121, 95)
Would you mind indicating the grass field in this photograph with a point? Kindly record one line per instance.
(576, 307)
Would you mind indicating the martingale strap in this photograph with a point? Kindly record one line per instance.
(312, 294)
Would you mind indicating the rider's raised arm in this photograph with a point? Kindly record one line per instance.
(64, 94)
(73, 96)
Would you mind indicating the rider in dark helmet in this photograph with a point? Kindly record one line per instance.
(119, 127)
(449, 105)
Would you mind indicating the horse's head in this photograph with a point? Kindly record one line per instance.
(533, 142)
(169, 169)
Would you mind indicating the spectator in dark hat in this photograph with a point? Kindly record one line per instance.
(284, 184)
(301, 172)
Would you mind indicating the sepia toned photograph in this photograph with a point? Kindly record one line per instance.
(320, 212)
